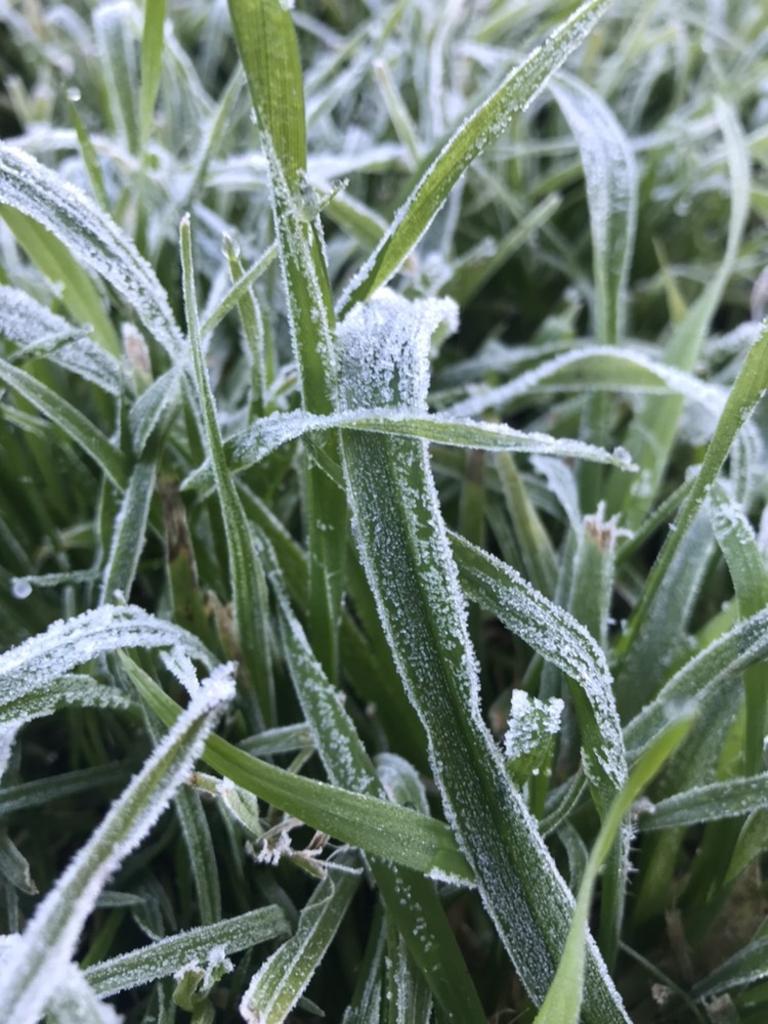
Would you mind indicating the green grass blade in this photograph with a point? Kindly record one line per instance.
(37, 333)
(750, 964)
(60, 265)
(40, 699)
(266, 435)
(402, 540)
(129, 534)
(410, 901)
(267, 43)
(559, 638)
(380, 828)
(591, 368)
(247, 579)
(26, 795)
(35, 963)
(611, 180)
(729, 799)
(732, 652)
(91, 237)
(483, 126)
(113, 29)
(151, 64)
(280, 981)
(748, 388)
(163, 958)
(652, 432)
(563, 1003)
(746, 564)
(70, 420)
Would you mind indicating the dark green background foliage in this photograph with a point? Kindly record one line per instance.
(409, 376)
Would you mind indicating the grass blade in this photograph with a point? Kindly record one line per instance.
(748, 388)
(746, 564)
(92, 238)
(151, 64)
(163, 958)
(280, 981)
(251, 602)
(69, 419)
(376, 826)
(401, 538)
(564, 999)
(411, 904)
(611, 179)
(267, 43)
(35, 964)
(483, 126)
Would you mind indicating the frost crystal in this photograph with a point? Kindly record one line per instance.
(531, 723)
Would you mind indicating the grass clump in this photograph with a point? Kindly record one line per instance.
(383, 587)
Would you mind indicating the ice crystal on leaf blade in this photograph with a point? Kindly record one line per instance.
(39, 961)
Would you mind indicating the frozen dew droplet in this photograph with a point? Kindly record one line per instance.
(21, 588)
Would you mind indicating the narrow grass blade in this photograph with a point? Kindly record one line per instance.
(26, 795)
(281, 980)
(129, 533)
(65, 644)
(483, 126)
(37, 333)
(92, 238)
(36, 963)
(39, 700)
(749, 573)
(151, 408)
(592, 368)
(402, 541)
(536, 550)
(61, 265)
(610, 174)
(251, 601)
(69, 419)
(113, 30)
(151, 64)
(652, 432)
(377, 826)
(559, 638)
(163, 958)
(732, 652)
(238, 290)
(268, 47)
(411, 904)
(563, 1003)
(748, 388)
(266, 435)
(729, 799)
(747, 966)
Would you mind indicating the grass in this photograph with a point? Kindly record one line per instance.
(383, 584)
